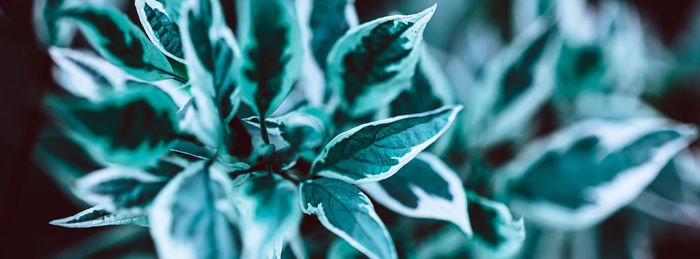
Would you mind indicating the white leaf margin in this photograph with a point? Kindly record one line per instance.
(429, 206)
(610, 197)
(140, 4)
(366, 207)
(402, 160)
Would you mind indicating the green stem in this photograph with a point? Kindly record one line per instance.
(266, 139)
(174, 76)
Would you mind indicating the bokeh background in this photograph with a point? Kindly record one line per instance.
(30, 198)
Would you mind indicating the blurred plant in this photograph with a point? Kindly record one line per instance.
(555, 127)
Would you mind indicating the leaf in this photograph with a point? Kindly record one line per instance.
(424, 188)
(375, 151)
(118, 40)
(300, 130)
(132, 128)
(272, 48)
(186, 221)
(496, 233)
(430, 89)
(346, 211)
(328, 22)
(96, 217)
(86, 75)
(269, 213)
(121, 190)
(161, 28)
(210, 51)
(372, 63)
(591, 169)
(517, 82)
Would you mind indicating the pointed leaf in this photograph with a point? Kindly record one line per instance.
(377, 150)
(346, 211)
(210, 51)
(329, 21)
(185, 219)
(300, 130)
(161, 28)
(86, 75)
(121, 190)
(132, 128)
(425, 188)
(372, 63)
(517, 82)
(272, 48)
(118, 40)
(496, 233)
(269, 213)
(96, 217)
(591, 169)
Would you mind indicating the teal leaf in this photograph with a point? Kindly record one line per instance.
(118, 40)
(172, 8)
(376, 150)
(329, 20)
(372, 63)
(424, 188)
(580, 69)
(272, 48)
(132, 128)
(496, 233)
(430, 89)
(160, 28)
(210, 51)
(86, 75)
(121, 190)
(346, 211)
(516, 84)
(300, 130)
(96, 217)
(269, 213)
(591, 169)
(187, 220)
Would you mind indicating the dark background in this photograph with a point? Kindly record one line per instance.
(29, 198)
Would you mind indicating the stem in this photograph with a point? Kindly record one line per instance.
(263, 130)
(289, 177)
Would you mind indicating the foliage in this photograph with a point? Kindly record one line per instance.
(230, 145)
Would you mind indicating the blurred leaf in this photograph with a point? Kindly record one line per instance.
(269, 214)
(372, 63)
(591, 169)
(132, 128)
(272, 48)
(118, 40)
(96, 217)
(377, 150)
(346, 211)
(329, 21)
(186, 219)
(496, 233)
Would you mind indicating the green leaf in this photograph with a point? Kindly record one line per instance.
(591, 169)
(161, 28)
(517, 82)
(210, 53)
(372, 63)
(121, 190)
(269, 213)
(377, 150)
(132, 128)
(346, 211)
(96, 217)
(424, 188)
(329, 20)
(118, 40)
(272, 48)
(86, 75)
(187, 220)
(496, 233)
